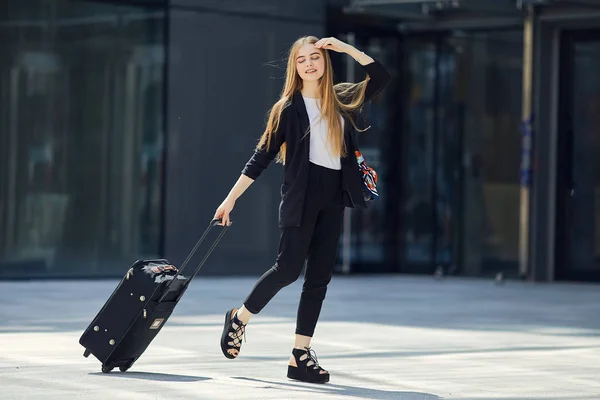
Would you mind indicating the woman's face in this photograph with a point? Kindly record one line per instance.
(310, 63)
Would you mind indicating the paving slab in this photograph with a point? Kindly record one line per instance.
(381, 337)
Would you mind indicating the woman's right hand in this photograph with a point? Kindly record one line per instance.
(224, 210)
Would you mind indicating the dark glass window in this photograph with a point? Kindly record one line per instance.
(462, 152)
(81, 136)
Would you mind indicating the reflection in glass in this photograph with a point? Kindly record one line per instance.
(81, 140)
(419, 226)
(489, 76)
(367, 234)
(462, 152)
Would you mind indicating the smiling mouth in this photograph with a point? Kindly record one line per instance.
(310, 71)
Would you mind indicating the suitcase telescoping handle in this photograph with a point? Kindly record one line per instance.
(214, 222)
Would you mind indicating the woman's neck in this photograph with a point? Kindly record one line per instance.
(310, 89)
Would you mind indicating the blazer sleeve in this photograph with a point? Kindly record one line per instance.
(380, 77)
(261, 158)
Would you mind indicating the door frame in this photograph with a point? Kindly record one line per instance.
(564, 175)
(544, 235)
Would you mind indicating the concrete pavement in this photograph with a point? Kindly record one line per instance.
(407, 338)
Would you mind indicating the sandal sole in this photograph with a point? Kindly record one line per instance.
(295, 374)
(225, 337)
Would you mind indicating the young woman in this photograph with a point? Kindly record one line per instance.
(309, 130)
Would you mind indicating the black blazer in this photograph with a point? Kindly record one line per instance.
(294, 123)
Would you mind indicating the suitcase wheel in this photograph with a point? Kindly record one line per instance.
(86, 353)
(106, 368)
(124, 368)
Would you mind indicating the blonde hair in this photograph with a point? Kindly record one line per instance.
(341, 99)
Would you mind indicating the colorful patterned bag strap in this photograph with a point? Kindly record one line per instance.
(369, 177)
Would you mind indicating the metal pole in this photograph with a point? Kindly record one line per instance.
(526, 140)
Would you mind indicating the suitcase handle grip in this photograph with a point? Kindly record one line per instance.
(213, 222)
(217, 221)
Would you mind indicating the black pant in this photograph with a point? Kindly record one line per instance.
(314, 241)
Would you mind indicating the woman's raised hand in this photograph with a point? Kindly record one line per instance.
(331, 43)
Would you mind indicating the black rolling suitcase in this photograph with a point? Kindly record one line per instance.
(138, 309)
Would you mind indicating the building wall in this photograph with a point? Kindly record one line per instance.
(226, 65)
(94, 95)
(124, 124)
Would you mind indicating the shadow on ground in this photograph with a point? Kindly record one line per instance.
(404, 354)
(152, 376)
(345, 390)
(462, 304)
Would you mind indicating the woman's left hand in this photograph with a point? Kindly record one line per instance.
(331, 43)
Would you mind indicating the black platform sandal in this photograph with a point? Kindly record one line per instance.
(307, 369)
(233, 332)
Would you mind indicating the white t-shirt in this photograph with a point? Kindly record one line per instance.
(320, 152)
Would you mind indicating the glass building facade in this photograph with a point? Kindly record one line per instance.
(451, 140)
(446, 138)
(116, 117)
(81, 141)
(461, 189)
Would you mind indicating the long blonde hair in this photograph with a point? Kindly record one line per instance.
(341, 99)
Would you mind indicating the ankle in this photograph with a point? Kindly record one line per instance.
(243, 315)
(301, 342)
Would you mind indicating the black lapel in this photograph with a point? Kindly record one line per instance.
(300, 107)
